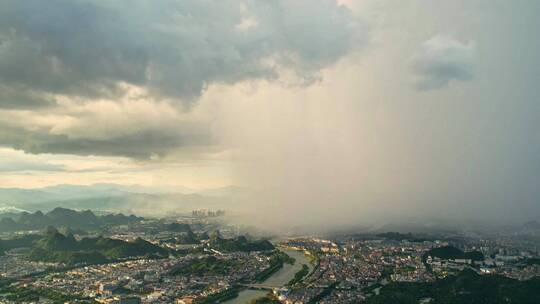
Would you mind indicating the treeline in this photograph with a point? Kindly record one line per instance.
(397, 236)
(240, 243)
(299, 275)
(269, 299)
(452, 253)
(467, 287)
(277, 260)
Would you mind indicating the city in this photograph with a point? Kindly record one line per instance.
(269, 152)
(199, 258)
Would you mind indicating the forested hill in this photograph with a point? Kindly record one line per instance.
(240, 243)
(54, 246)
(450, 253)
(468, 287)
(62, 217)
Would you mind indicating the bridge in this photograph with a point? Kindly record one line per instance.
(261, 286)
(272, 287)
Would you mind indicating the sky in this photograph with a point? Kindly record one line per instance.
(351, 109)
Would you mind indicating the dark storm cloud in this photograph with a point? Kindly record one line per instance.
(87, 50)
(140, 145)
(173, 48)
(442, 60)
(20, 97)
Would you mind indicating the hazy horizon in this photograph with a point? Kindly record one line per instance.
(332, 113)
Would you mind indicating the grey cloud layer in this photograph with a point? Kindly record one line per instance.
(82, 51)
(172, 48)
(441, 60)
(141, 145)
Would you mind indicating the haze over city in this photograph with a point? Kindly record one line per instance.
(269, 152)
(314, 114)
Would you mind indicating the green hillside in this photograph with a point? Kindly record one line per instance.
(56, 247)
(62, 217)
(240, 243)
(466, 288)
(450, 252)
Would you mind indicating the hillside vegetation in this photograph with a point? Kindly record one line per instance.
(468, 287)
(62, 217)
(450, 252)
(56, 247)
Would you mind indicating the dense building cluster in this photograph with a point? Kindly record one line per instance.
(204, 267)
(155, 279)
(351, 270)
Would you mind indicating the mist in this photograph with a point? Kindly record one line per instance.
(422, 126)
(326, 158)
(340, 114)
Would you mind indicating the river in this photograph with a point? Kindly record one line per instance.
(280, 278)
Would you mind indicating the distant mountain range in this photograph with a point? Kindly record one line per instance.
(62, 217)
(119, 198)
(16, 196)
